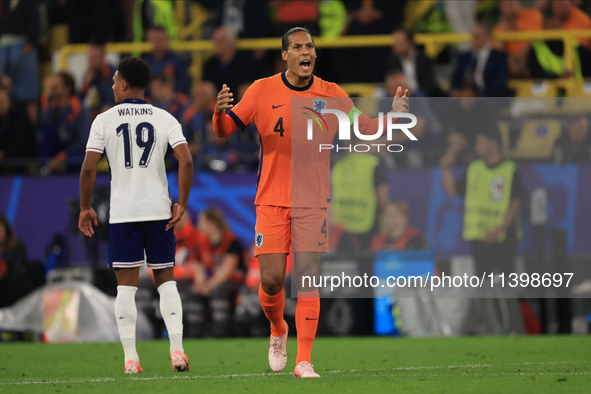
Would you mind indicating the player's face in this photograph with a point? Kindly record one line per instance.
(300, 55)
(118, 87)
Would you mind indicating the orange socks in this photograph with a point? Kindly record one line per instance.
(273, 308)
(307, 312)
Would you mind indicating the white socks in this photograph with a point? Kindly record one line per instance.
(172, 313)
(126, 314)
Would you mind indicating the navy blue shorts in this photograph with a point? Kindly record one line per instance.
(128, 241)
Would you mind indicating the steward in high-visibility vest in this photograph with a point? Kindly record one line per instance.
(488, 194)
(359, 192)
(493, 190)
(354, 199)
(554, 64)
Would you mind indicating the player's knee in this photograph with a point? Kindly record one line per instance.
(272, 284)
(162, 276)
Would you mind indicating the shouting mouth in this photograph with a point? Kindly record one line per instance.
(305, 65)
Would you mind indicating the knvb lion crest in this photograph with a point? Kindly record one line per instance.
(319, 105)
(259, 240)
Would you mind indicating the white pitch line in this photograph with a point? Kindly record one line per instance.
(246, 375)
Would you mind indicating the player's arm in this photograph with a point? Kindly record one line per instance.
(223, 124)
(87, 180)
(400, 103)
(183, 155)
(239, 115)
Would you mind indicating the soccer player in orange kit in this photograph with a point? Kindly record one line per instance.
(280, 220)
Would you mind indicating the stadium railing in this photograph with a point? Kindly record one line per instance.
(431, 42)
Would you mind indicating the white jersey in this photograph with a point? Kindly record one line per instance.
(135, 137)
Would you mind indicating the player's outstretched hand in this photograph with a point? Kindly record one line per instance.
(177, 214)
(225, 99)
(86, 220)
(400, 103)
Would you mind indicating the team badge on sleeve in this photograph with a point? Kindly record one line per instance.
(259, 240)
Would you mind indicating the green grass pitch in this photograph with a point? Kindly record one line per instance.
(544, 364)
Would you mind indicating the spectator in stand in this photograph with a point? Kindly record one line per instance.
(19, 37)
(64, 122)
(92, 21)
(163, 96)
(13, 266)
(546, 58)
(218, 154)
(203, 99)
(483, 64)
(17, 137)
(97, 89)
(369, 18)
(461, 114)
(163, 61)
(462, 17)
(572, 18)
(574, 146)
(426, 127)
(190, 244)
(248, 19)
(514, 17)
(398, 235)
(228, 65)
(223, 271)
(416, 66)
(292, 13)
(583, 5)
(143, 15)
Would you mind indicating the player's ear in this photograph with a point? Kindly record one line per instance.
(284, 55)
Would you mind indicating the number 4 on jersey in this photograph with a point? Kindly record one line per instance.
(279, 127)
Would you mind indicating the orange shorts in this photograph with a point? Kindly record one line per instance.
(306, 229)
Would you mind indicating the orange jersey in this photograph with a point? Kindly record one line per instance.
(286, 158)
(578, 20)
(530, 19)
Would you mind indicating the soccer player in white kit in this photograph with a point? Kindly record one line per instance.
(135, 136)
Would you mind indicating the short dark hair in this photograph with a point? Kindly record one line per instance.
(68, 81)
(487, 26)
(285, 41)
(135, 71)
(491, 132)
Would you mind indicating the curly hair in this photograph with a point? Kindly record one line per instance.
(135, 71)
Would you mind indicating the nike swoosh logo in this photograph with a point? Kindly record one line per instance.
(320, 244)
(307, 318)
(275, 107)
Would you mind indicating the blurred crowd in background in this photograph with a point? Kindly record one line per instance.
(46, 115)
